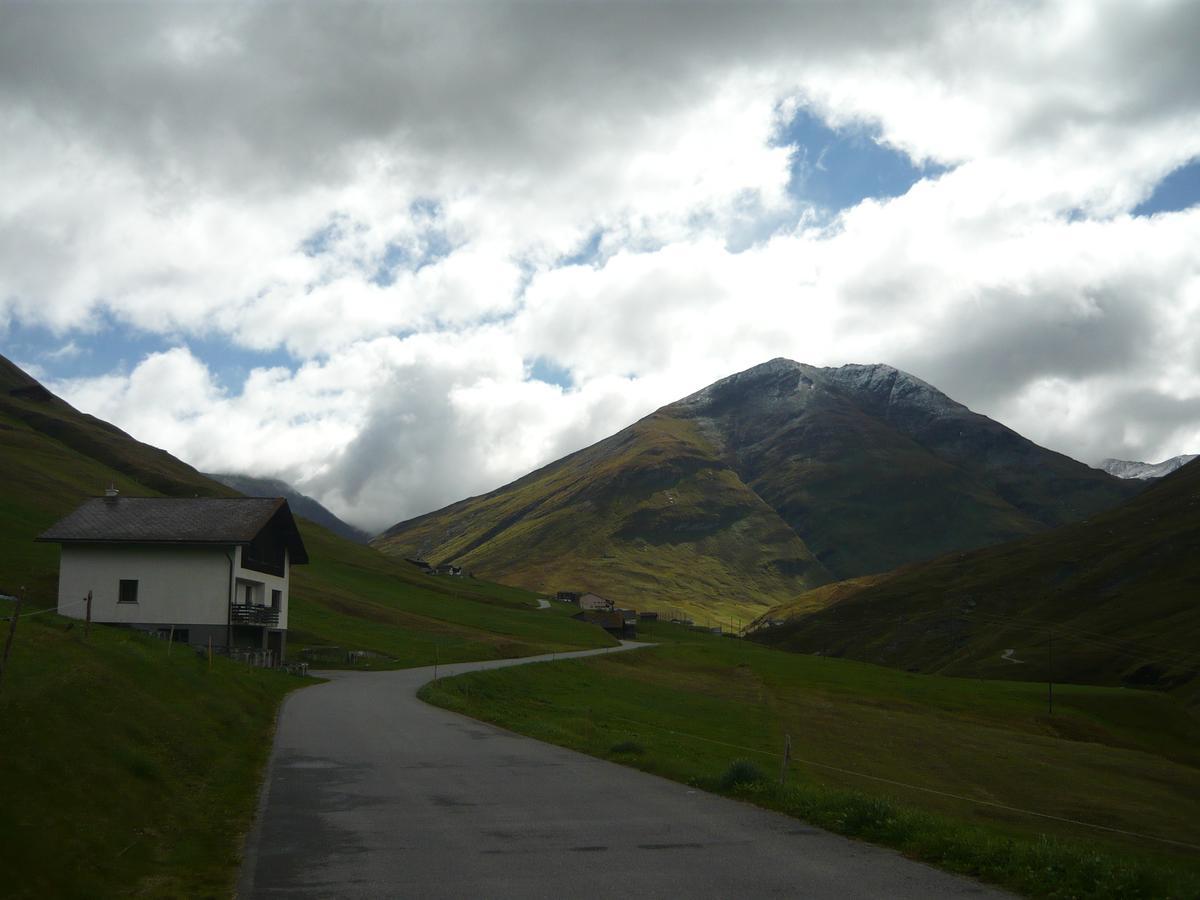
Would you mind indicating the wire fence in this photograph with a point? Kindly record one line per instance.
(773, 754)
(38, 612)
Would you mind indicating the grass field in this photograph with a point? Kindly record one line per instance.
(951, 752)
(353, 597)
(125, 771)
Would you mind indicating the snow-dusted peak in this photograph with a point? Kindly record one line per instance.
(766, 372)
(1125, 468)
(887, 387)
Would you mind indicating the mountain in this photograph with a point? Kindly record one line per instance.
(301, 504)
(1124, 468)
(1112, 599)
(771, 481)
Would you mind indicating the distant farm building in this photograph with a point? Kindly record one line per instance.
(195, 570)
(567, 597)
(595, 602)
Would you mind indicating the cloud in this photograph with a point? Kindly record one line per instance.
(410, 204)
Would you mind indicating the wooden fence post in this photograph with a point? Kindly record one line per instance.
(787, 758)
(87, 625)
(12, 629)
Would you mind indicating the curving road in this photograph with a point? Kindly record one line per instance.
(372, 793)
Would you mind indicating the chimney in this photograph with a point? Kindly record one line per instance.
(111, 492)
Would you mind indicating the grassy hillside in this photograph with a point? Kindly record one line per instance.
(349, 596)
(125, 771)
(949, 770)
(652, 518)
(1114, 599)
(766, 483)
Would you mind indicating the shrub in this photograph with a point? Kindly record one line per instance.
(742, 773)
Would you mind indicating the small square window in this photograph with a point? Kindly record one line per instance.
(128, 592)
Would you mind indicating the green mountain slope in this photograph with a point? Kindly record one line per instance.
(766, 483)
(1113, 599)
(652, 516)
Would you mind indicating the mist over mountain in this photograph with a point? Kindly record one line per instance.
(301, 504)
(768, 482)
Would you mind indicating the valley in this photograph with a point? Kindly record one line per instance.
(975, 774)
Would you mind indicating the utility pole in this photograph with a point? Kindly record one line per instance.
(1050, 677)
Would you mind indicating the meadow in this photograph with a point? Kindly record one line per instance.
(1096, 799)
(128, 766)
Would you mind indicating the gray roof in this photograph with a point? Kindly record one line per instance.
(170, 520)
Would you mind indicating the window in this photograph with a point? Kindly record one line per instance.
(276, 599)
(128, 591)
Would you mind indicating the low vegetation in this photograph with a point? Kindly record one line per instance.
(127, 766)
(975, 776)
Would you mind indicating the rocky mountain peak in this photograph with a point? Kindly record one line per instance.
(1125, 468)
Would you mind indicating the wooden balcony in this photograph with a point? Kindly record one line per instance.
(241, 614)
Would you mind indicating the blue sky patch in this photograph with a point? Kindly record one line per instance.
(117, 348)
(432, 244)
(320, 240)
(1179, 190)
(835, 169)
(395, 258)
(543, 369)
(588, 252)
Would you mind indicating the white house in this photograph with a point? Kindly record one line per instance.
(207, 568)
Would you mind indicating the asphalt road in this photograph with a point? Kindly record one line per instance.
(372, 793)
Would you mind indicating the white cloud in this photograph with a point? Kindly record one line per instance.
(388, 191)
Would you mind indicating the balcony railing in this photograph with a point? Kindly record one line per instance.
(240, 614)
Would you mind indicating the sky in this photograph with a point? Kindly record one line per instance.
(398, 254)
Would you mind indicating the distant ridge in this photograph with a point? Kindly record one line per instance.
(301, 504)
(1124, 468)
(760, 486)
(1113, 599)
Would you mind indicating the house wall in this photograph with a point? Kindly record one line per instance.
(176, 584)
